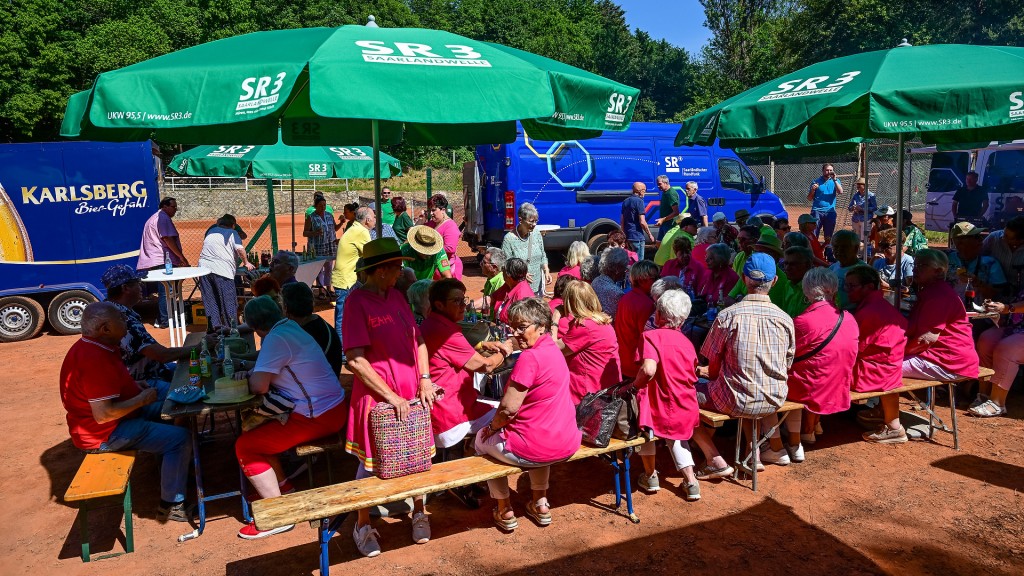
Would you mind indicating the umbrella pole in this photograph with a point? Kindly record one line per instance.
(272, 216)
(375, 128)
(899, 227)
(293, 215)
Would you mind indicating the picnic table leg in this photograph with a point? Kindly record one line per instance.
(328, 528)
(755, 444)
(129, 534)
(243, 486)
(200, 496)
(952, 412)
(618, 482)
(629, 489)
(931, 413)
(83, 528)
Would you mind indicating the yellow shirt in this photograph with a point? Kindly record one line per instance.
(350, 249)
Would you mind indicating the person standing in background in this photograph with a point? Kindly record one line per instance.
(970, 202)
(696, 206)
(862, 207)
(633, 220)
(220, 248)
(823, 193)
(668, 207)
(160, 240)
(321, 229)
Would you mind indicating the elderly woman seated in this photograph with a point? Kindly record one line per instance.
(614, 265)
(888, 247)
(588, 342)
(705, 237)
(821, 373)
(559, 319)
(1002, 349)
(634, 309)
(578, 252)
(418, 300)
(536, 421)
(689, 270)
(516, 288)
(297, 298)
(617, 239)
(720, 277)
(292, 365)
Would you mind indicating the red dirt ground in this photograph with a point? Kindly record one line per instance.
(851, 508)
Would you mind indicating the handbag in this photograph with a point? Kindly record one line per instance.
(274, 406)
(401, 448)
(609, 413)
(825, 342)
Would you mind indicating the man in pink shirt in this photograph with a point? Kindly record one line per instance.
(939, 342)
(633, 311)
(160, 240)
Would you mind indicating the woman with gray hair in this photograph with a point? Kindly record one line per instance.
(613, 266)
(822, 372)
(290, 364)
(526, 243)
(702, 241)
(578, 252)
(667, 395)
(418, 301)
(720, 277)
(791, 239)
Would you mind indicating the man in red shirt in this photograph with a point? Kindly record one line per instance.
(108, 411)
(808, 224)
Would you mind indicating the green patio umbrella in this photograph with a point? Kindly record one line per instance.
(280, 161)
(350, 85)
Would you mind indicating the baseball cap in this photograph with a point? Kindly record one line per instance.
(966, 229)
(885, 211)
(806, 219)
(718, 216)
(759, 267)
(119, 274)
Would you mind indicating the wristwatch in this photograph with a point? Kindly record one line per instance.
(424, 376)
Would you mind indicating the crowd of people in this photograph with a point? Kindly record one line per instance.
(781, 323)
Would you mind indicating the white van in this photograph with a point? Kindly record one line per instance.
(1000, 170)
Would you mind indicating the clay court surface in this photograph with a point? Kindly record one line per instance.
(851, 508)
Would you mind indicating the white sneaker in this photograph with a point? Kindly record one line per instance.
(978, 400)
(796, 455)
(769, 456)
(420, 528)
(366, 541)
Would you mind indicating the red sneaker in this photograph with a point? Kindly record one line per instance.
(249, 531)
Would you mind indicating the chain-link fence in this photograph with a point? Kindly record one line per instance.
(791, 179)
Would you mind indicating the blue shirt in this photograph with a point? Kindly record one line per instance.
(888, 271)
(632, 209)
(696, 206)
(867, 202)
(825, 196)
(985, 268)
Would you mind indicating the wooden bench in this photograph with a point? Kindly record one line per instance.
(910, 385)
(320, 446)
(715, 420)
(330, 505)
(103, 476)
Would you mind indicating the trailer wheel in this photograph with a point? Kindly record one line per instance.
(597, 243)
(20, 318)
(65, 311)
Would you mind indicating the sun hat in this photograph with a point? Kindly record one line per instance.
(742, 213)
(885, 211)
(425, 240)
(966, 229)
(806, 219)
(718, 216)
(759, 267)
(119, 274)
(229, 391)
(379, 251)
(770, 242)
(863, 181)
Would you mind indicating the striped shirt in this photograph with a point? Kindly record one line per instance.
(751, 344)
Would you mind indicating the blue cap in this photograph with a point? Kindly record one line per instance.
(759, 267)
(119, 274)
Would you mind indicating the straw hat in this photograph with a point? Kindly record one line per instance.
(425, 240)
(229, 391)
(379, 251)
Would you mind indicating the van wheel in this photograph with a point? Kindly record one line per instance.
(65, 311)
(20, 318)
(597, 243)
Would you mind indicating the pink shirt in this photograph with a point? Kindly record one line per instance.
(544, 429)
(700, 253)
(151, 251)
(693, 275)
(573, 271)
(505, 297)
(383, 326)
(822, 382)
(449, 352)
(941, 311)
(710, 286)
(594, 361)
(883, 337)
(554, 303)
(634, 310)
(668, 406)
(450, 234)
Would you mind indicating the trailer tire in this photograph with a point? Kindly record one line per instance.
(21, 318)
(597, 243)
(65, 311)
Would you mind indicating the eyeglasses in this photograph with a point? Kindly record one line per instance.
(531, 221)
(520, 329)
(785, 228)
(463, 301)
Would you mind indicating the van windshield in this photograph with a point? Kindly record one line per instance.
(1004, 171)
(948, 171)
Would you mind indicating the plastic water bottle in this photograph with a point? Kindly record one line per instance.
(168, 267)
(204, 360)
(229, 364)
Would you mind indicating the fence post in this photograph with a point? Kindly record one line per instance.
(430, 187)
(771, 176)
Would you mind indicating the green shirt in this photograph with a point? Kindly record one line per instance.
(789, 297)
(401, 226)
(493, 284)
(387, 213)
(916, 240)
(665, 253)
(424, 268)
(669, 198)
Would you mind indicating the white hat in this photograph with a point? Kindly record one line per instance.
(718, 216)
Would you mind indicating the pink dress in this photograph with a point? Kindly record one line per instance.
(383, 326)
(634, 310)
(940, 310)
(668, 406)
(573, 271)
(594, 364)
(449, 352)
(883, 337)
(822, 382)
(693, 275)
(449, 231)
(544, 430)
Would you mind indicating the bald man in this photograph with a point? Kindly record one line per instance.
(634, 223)
(108, 411)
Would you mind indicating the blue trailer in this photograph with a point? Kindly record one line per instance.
(68, 211)
(578, 186)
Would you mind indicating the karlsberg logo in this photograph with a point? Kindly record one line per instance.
(1016, 106)
(230, 151)
(809, 87)
(255, 96)
(618, 105)
(421, 54)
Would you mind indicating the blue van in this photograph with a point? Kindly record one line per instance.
(578, 186)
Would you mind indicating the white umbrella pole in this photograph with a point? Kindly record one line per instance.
(899, 227)
(376, 178)
(293, 215)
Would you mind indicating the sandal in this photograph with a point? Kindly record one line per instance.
(506, 524)
(988, 409)
(533, 511)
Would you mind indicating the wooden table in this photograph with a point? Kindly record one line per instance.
(172, 410)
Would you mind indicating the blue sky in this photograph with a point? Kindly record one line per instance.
(680, 22)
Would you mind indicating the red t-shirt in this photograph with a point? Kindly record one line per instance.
(93, 372)
(710, 286)
(816, 248)
(692, 276)
(634, 310)
(573, 271)
(449, 352)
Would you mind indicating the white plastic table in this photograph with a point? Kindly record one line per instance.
(307, 271)
(175, 299)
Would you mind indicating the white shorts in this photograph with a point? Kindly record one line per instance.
(452, 437)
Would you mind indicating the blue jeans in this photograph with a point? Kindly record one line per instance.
(171, 442)
(638, 247)
(339, 309)
(826, 222)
